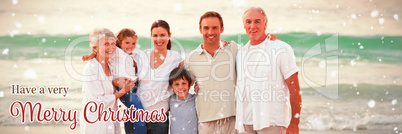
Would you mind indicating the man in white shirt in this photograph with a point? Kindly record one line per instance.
(266, 78)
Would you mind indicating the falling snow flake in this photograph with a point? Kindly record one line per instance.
(41, 19)
(353, 16)
(352, 62)
(30, 74)
(374, 13)
(371, 103)
(381, 20)
(77, 27)
(5, 51)
(18, 25)
(15, 2)
(297, 115)
(394, 101)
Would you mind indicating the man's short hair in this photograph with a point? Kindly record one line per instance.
(211, 14)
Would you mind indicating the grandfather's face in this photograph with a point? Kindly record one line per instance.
(255, 25)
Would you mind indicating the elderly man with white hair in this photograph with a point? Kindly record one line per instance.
(266, 78)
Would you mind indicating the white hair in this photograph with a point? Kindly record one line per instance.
(258, 9)
(99, 33)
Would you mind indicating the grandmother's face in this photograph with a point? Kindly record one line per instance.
(106, 48)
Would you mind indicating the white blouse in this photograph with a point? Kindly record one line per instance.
(122, 65)
(153, 86)
(97, 87)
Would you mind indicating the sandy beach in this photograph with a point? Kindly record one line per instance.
(65, 130)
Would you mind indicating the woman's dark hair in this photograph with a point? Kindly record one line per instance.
(180, 73)
(164, 24)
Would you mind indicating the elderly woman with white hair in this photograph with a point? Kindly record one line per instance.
(97, 84)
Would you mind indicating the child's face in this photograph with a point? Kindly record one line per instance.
(180, 87)
(128, 44)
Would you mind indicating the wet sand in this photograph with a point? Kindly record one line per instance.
(66, 130)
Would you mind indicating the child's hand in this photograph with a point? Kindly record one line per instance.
(128, 85)
(119, 82)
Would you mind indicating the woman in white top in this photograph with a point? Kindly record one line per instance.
(154, 66)
(97, 84)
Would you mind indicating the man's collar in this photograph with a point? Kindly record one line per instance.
(201, 50)
(267, 39)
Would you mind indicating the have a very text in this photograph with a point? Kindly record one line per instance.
(17, 89)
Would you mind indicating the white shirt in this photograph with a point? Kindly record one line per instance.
(247, 108)
(96, 86)
(153, 86)
(122, 65)
(261, 92)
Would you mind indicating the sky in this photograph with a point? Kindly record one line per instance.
(66, 17)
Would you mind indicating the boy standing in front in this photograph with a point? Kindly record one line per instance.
(182, 104)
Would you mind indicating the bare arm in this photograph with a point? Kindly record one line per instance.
(295, 102)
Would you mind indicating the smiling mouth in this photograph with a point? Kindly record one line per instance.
(211, 36)
(159, 44)
(178, 91)
(109, 52)
(253, 31)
